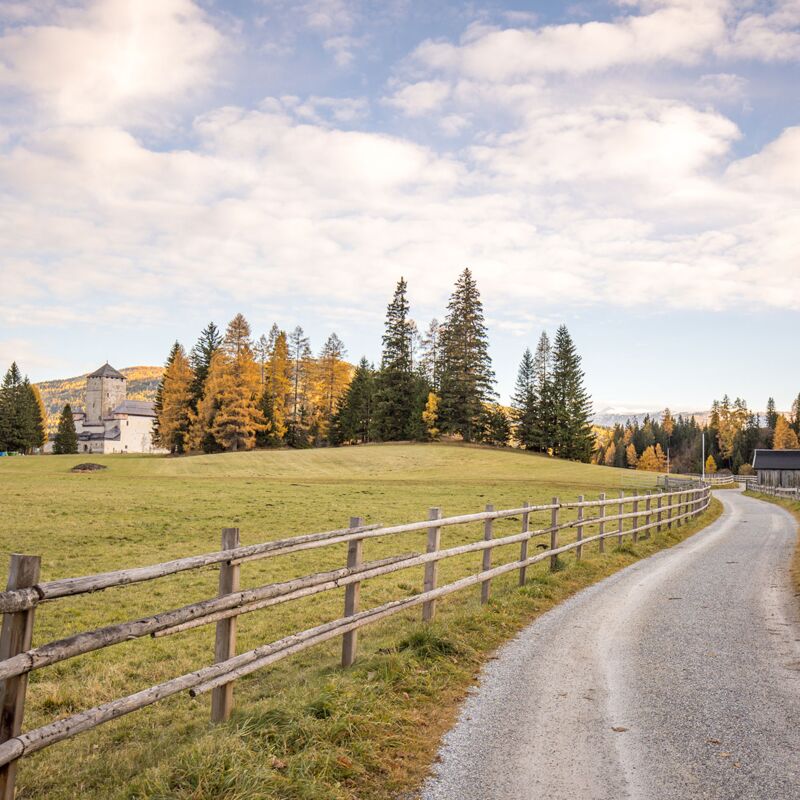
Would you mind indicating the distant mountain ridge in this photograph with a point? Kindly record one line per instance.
(142, 385)
(609, 417)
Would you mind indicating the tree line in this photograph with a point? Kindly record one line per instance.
(23, 419)
(232, 393)
(732, 434)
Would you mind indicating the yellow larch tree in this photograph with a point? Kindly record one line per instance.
(238, 417)
(279, 380)
(331, 377)
(630, 455)
(648, 461)
(201, 421)
(430, 415)
(785, 438)
(175, 398)
(711, 465)
(611, 455)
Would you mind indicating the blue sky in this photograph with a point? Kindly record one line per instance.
(630, 168)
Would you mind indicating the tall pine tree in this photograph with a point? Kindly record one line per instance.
(200, 360)
(572, 404)
(524, 403)
(395, 384)
(467, 380)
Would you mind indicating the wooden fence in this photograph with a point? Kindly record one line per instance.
(791, 493)
(591, 522)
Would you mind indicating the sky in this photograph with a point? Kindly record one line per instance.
(629, 168)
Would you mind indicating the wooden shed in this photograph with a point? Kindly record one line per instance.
(778, 468)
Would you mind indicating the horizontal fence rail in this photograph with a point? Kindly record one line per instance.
(791, 493)
(593, 521)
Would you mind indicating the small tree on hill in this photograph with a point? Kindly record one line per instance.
(711, 465)
(631, 456)
(66, 439)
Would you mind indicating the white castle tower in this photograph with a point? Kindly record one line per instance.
(106, 390)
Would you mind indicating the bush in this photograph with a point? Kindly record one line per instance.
(746, 469)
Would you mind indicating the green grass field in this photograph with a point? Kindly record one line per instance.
(304, 728)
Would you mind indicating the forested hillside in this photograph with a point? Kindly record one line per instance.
(142, 385)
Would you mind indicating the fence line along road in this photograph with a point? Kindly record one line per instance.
(633, 516)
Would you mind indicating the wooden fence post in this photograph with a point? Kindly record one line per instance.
(649, 515)
(658, 514)
(579, 530)
(432, 567)
(225, 643)
(523, 548)
(15, 638)
(352, 594)
(601, 527)
(554, 534)
(488, 533)
(671, 512)
(634, 532)
(621, 526)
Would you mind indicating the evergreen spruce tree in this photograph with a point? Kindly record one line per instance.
(543, 418)
(496, 427)
(467, 380)
(14, 433)
(354, 420)
(524, 403)
(200, 360)
(772, 414)
(571, 402)
(34, 417)
(66, 439)
(268, 436)
(395, 384)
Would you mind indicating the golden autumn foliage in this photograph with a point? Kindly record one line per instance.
(652, 459)
(430, 415)
(611, 455)
(630, 455)
(785, 438)
(175, 400)
(711, 465)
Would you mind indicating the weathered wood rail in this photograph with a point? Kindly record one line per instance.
(592, 521)
(790, 493)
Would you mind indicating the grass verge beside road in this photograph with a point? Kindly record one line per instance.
(793, 507)
(304, 729)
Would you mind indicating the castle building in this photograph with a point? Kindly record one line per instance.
(110, 423)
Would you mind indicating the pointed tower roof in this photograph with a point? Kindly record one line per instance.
(106, 371)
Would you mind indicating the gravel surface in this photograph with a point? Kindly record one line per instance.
(676, 678)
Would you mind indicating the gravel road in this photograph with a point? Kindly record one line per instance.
(678, 677)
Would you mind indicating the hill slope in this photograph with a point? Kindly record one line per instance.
(142, 385)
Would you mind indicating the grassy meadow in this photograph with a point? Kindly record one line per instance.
(303, 728)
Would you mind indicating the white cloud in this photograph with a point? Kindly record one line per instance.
(115, 60)
(416, 99)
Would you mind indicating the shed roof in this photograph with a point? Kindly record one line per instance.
(106, 371)
(776, 459)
